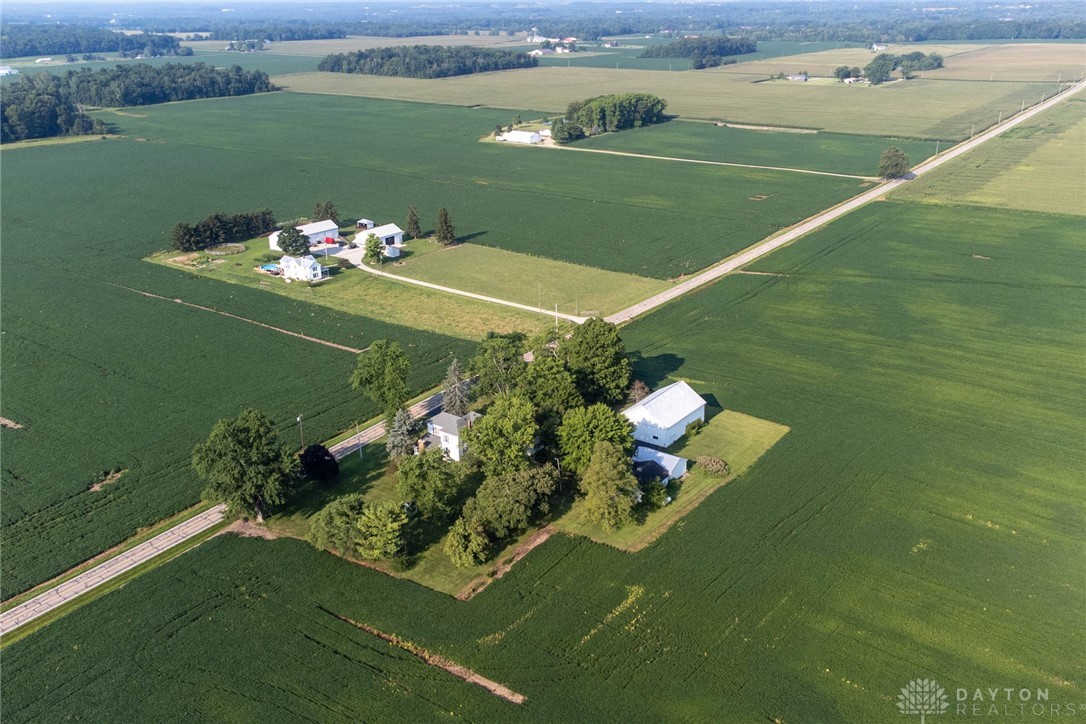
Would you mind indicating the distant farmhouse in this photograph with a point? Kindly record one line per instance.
(8, 70)
(661, 418)
(446, 432)
(878, 47)
(525, 137)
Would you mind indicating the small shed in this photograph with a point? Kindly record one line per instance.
(365, 224)
(389, 234)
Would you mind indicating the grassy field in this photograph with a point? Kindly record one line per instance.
(832, 152)
(321, 48)
(533, 280)
(921, 519)
(823, 61)
(738, 439)
(917, 109)
(268, 62)
(356, 292)
(373, 158)
(1038, 166)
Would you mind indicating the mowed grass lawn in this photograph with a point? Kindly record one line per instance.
(921, 108)
(738, 439)
(1038, 166)
(830, 152)
(376, 158)
(921, 519)
(533, 280)
(355, 291)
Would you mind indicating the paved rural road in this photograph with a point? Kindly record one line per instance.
(54, 597)
(775, 242)
(355, 256)
(93, 577)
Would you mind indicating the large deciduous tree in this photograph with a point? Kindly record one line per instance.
(243, 465)
(293, 242)
(467, 543)
(430, 482)
(583, 428)
(381, 372)
(597, 358)
(893, 163)
(502, 438)
(499, 363)
(335, 526)
(609, 487)
(507, 503)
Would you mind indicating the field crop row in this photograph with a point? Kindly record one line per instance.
(928, 109)
(917, 521)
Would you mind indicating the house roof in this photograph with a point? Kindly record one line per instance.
(451, 424)
(368, 222)
(385, 230)
(648, 471)
(667, 463)
(319, 226)
(521, 136)
(305, 262)
(665, 407)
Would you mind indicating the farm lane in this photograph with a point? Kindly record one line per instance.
(818, 220)
(124, 562)
(355, 256)
(702, 161)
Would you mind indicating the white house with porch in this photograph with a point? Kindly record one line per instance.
(302, 268)
(319, 232)
(661, 418)
(446, 431)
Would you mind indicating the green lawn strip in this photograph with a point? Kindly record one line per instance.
(109, 586)
(357, 292)
(140, 537)
(524, 278)
(738, 439)
(58, 141)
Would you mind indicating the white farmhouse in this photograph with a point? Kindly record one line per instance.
(446, 431)
(302, 268)
(661, 418)
(319, 232)
(527, 137)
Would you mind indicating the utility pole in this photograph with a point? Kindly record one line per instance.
(358, 435)
(301, 434)
(974, 130)
(1000, 118)
(937, 147)
(556, 319)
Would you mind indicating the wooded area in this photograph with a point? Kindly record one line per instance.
(20, 40)
(424, 61)
(703, 52)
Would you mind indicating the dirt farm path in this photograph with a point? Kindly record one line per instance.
(93, 577)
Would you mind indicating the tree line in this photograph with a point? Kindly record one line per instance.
(221, 229)
(43, 105)
(703, 52)
(604, 114)
(20, 40)
(426, 61)
(882, 67)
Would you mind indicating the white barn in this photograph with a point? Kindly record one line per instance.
(302, 268)
(319, 232)
(390, 234)
(661, 418)
(527, 137)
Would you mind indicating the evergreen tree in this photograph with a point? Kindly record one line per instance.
(609, 487)
(413, 228)
(446, 235)
(318, 463)
(400, 436)
(380, 531)
(325, 210)
(454, 398)
(293, 242)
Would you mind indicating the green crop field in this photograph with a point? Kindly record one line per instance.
(929, 109)
(921, 519)
(1038, 166)
(831, 152)
(373, 158)
(271, 63)
(102, 377)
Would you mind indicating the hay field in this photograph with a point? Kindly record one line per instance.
(1017, 62)
(1038, 166)
(917, 109)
